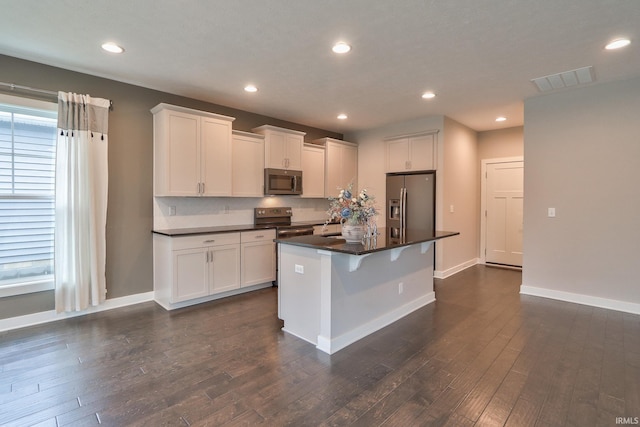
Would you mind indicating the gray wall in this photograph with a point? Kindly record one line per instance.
(494, 144)
(130, 206)
(582, 154)
(460, 190)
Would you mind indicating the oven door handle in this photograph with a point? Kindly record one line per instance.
(296, 232)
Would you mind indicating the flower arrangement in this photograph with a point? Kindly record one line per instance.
(351, 210)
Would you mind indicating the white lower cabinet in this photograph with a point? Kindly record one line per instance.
(258, 257)
(190, 275)
(224, 268)
(198, 268)
(193, 268)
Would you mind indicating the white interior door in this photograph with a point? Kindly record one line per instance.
(504, 213)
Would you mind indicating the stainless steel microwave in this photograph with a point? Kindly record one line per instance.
(282, 181)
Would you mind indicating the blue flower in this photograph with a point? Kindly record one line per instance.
(345, 213)
(347, 194)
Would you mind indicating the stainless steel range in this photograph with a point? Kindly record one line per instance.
(280, 218)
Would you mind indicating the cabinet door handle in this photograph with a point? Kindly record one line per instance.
(207, 255)
(203, 188)
(261, 236)
(209, 241)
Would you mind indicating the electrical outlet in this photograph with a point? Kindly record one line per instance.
(299, 269)
(172, 211)
(400, 288)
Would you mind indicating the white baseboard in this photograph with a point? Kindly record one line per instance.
(627, 307)
(330, 346)
(52, 316)
(443, 274)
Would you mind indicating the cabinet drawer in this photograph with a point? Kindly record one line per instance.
(204, 240)
(258, 235)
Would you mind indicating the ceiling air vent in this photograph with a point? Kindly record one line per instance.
(565, 79)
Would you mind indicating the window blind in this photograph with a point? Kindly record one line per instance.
(27, 184)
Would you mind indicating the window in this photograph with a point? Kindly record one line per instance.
(27, 182)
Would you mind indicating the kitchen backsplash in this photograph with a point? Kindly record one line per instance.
(218, 211)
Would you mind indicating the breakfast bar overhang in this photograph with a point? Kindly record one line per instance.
(332, 293)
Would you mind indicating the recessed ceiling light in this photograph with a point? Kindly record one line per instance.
(617, 44)
(341, 47)
(112, 47)
(250, 88)
(501, 119)
(342, 116)
(428, 95)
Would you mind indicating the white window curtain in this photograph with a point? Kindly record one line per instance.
(80, 202)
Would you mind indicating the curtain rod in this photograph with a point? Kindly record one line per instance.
(29, 89)
(51, 93)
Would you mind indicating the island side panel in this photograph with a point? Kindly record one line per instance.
(330, 306)
(299, 293)
(378, 293)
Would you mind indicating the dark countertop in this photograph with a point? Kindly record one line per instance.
(176, 232)
(382, 243)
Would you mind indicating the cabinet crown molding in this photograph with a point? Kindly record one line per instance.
(263, 128)
(323, 141)
(162, 106)
(412, 135)
(247, 134)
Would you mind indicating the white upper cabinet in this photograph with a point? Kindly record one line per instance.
(282, 147)
(411, 152)
(341, 165)
(248, 165)
(312, 171)
(192, 152)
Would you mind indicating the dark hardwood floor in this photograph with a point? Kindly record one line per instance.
(481, 355)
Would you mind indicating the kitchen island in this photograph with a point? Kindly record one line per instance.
(332, 293)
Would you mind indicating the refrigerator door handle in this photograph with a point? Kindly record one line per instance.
(401, 207)
(402, 200)
(404, 210)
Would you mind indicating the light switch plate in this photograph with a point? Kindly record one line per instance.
(551, 212)
(299, 269)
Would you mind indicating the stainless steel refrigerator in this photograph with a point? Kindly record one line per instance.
(410, 203)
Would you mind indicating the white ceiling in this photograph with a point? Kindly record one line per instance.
(479, 56)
